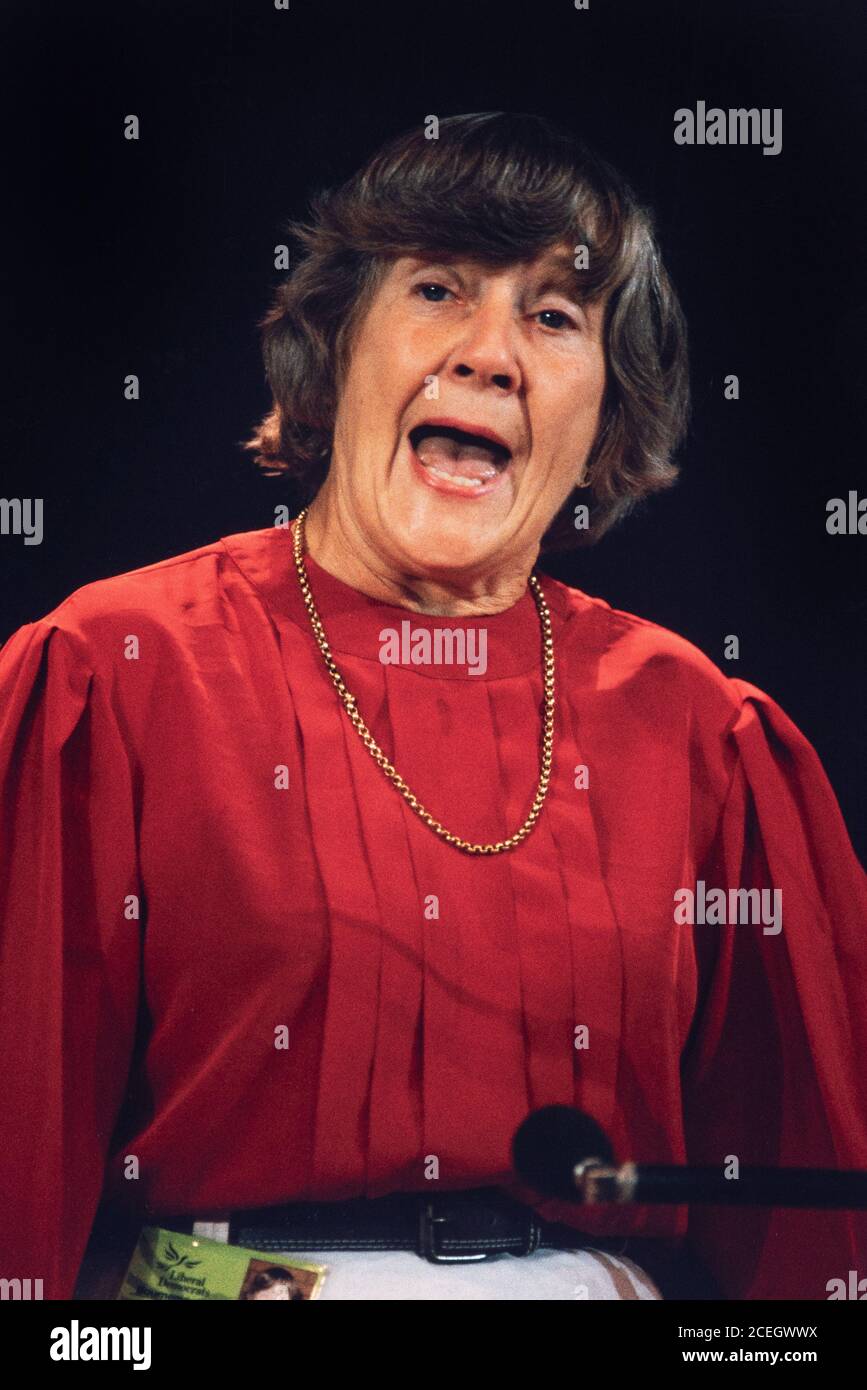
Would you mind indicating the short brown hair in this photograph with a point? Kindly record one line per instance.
(499, 187)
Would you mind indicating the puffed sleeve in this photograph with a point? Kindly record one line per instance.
(69, 948)
(774, 1071)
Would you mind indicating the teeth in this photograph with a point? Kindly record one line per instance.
(455, 478)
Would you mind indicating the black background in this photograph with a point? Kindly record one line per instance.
(156, 258)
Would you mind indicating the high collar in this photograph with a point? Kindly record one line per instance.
(354, 622)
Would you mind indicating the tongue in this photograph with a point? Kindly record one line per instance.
(457, 459)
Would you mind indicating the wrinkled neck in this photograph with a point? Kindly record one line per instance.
(342, 550)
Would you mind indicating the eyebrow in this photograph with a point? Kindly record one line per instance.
(560, 275)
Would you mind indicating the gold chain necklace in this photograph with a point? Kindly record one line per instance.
(547, 740)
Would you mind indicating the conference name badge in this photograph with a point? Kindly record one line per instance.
(170, 1265)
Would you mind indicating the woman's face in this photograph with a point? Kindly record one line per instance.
(455, 346)
(280, 1290)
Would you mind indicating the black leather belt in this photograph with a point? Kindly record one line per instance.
(443, 1227)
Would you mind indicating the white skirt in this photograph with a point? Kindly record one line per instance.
(380, 1275)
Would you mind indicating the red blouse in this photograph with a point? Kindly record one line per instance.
(316, 997)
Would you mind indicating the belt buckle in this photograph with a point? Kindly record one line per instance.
(427, 1239)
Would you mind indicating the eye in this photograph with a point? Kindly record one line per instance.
(432, 291)
(562, 320)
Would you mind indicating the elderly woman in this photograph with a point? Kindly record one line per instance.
(332, 850)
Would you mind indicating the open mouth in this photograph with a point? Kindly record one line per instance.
(459, 456)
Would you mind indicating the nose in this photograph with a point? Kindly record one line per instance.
(487, 351)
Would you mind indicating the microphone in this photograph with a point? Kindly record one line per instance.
(561, 1152)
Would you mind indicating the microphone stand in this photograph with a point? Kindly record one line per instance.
(598, 1183)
